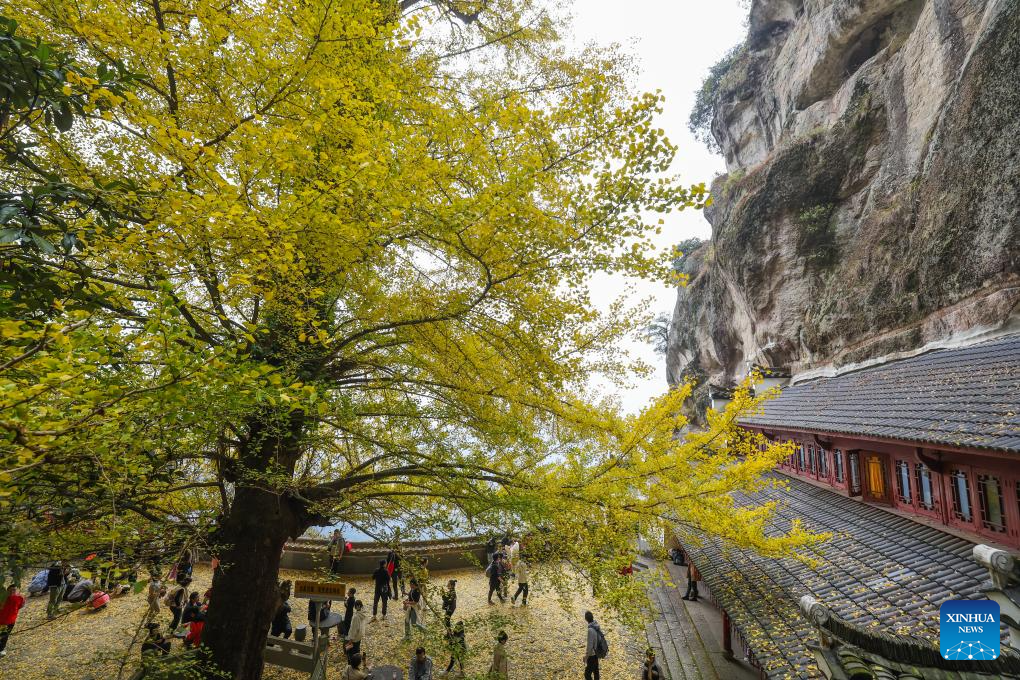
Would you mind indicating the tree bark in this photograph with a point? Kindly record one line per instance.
(245, 593)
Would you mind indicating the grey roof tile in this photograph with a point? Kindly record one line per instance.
(968, 397)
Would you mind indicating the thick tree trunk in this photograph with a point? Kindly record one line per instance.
(245, 593)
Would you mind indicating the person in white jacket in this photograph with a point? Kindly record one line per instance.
(357, 630)
(523, 570)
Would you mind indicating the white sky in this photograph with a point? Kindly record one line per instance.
(674, 42)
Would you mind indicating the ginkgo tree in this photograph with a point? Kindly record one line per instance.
(342, 274)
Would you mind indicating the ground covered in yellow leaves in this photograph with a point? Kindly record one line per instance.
(546, 638)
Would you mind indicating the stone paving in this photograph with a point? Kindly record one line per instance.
(687, 636)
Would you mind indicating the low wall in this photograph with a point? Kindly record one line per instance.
(309, 554)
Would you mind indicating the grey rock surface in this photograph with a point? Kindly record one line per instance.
(872, 199)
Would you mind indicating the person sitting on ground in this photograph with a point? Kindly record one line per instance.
(651, 670)
(194, 636)
(192, 609)
(356, 631)
(156, 644)
(281, 626)
(38, 584)
(9, 611)
(98, 600)
(421, 666)
(500, 668)
(358, 668)
(81, 591)
(456, 638)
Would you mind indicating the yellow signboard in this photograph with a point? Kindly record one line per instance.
(319, 590)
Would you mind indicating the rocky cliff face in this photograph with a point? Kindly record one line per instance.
(872, 199)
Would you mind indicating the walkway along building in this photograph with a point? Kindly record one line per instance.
(911, 465)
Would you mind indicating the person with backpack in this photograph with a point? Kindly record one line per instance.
(357, 668)
(175, 600)
(597, 648)
(9, 615)
(449, 601)
(381, 577)
(495, 574)
(336, 551)
(500, 667)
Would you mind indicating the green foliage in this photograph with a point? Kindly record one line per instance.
(816, 239)
(700, 120)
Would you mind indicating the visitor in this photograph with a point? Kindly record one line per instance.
(98, 600)
(495, 573)
(336, 551)
(523, 574)
(281, 625)
(81, 592)
(513, 553)
(155, 593)
(356, 632)
(175, 600)
(651, 670)
(156, 644)
(457, 640)
(192, 608)
(592, 649)
(693, 576)
(677, 556)
(185, 567)
(318, 609)
(37, 586)
(355, 671)
(397, 574)
(194, 636)
(421, 665)
(450, 600)
(500, 667)
(9, 611)
(345, 625)
(381, 577)
(56, 583)
(412, 610)
(490, 549)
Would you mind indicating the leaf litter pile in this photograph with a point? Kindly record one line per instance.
(546, 640)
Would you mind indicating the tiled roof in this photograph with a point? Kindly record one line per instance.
(879, 571)
(967, 397)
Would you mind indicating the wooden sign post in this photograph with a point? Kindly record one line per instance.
(303, 656)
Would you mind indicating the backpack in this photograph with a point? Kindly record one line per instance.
(601, 644)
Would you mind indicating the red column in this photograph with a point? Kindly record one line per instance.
(727, 636)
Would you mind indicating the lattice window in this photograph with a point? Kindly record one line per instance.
(801, 463)
(811, 459)
(925, 491)
(855, 473)
(903, 491)
(962, 505)
(993, 510)
(837, 464)
(823, 463)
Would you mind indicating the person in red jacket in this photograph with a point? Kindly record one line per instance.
(194, 636)
(9, 615)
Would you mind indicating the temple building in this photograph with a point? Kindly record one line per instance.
(913, 466)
